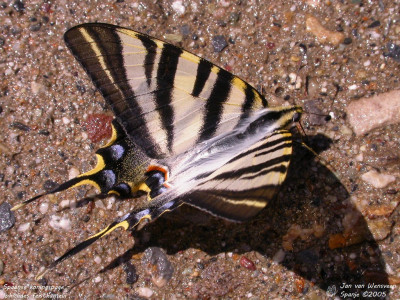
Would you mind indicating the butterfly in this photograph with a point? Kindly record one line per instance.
(185, 131)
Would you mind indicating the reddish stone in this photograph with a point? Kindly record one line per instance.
(98, 127)
(247, 263)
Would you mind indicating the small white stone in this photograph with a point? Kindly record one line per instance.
(353, 87)
(44, 207)
(36, 87)
(178, 7)
(367, 63)
(377, 180)
(97, 279)
(97, 260)
(24, 227)
(99, 204)
(145, 292)
(360, 157)
(66, 121)
(60, 223)
(64, 203)
(73, 172)
(111, 202)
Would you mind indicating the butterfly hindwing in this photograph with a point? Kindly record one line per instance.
(166, 99)
(247, 182)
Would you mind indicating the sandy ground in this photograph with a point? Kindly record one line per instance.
(323, 236)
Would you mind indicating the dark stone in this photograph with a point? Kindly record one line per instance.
(35, 27)
(19, 6)
(131, 275)
(219, 43)
(7, 218)
(20, 126)
(394, 51)
(49, 185)
(185, 30)
(374, 24)
(44, 132)
(347, 41)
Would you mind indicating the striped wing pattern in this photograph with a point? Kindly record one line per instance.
(244, 185)
(165, 98)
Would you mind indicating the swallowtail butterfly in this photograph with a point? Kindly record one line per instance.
(185, 131)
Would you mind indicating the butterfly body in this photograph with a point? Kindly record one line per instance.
(185, 131)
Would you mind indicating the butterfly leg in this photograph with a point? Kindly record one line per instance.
(136, 219)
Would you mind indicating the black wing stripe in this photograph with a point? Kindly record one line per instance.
(214, 108)
(203, 73)
(251, 169)
(248, 102)
(284, 141)
(280, 169)
(165, 79)
(151, 49)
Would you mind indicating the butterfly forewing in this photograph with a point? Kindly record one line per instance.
(166, 99)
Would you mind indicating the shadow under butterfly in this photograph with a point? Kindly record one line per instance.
(303, 200)
(188, 132)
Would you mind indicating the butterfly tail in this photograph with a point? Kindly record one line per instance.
(134, 220)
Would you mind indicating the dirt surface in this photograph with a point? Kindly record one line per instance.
(321, 237)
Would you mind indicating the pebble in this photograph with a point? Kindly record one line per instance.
(176, 38)
(394, 51)
(367, 114)
(178, 7)
(131, 275)
(97, 259)
(157, 265)
(247, 263)
(7, 218)
(19, 5)
(44, 207)
(219, 43)
(145, 292)
(20, 126)
(64, 203)
(24, 227)
(58, 223)
(380, 228)
(322, 34)
(72, 173)
(279, 256)
(49, 185)
(377, 180)
(98, 127)
(382, 210)
(36, 87)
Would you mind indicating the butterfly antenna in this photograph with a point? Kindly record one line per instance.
(64, 186)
